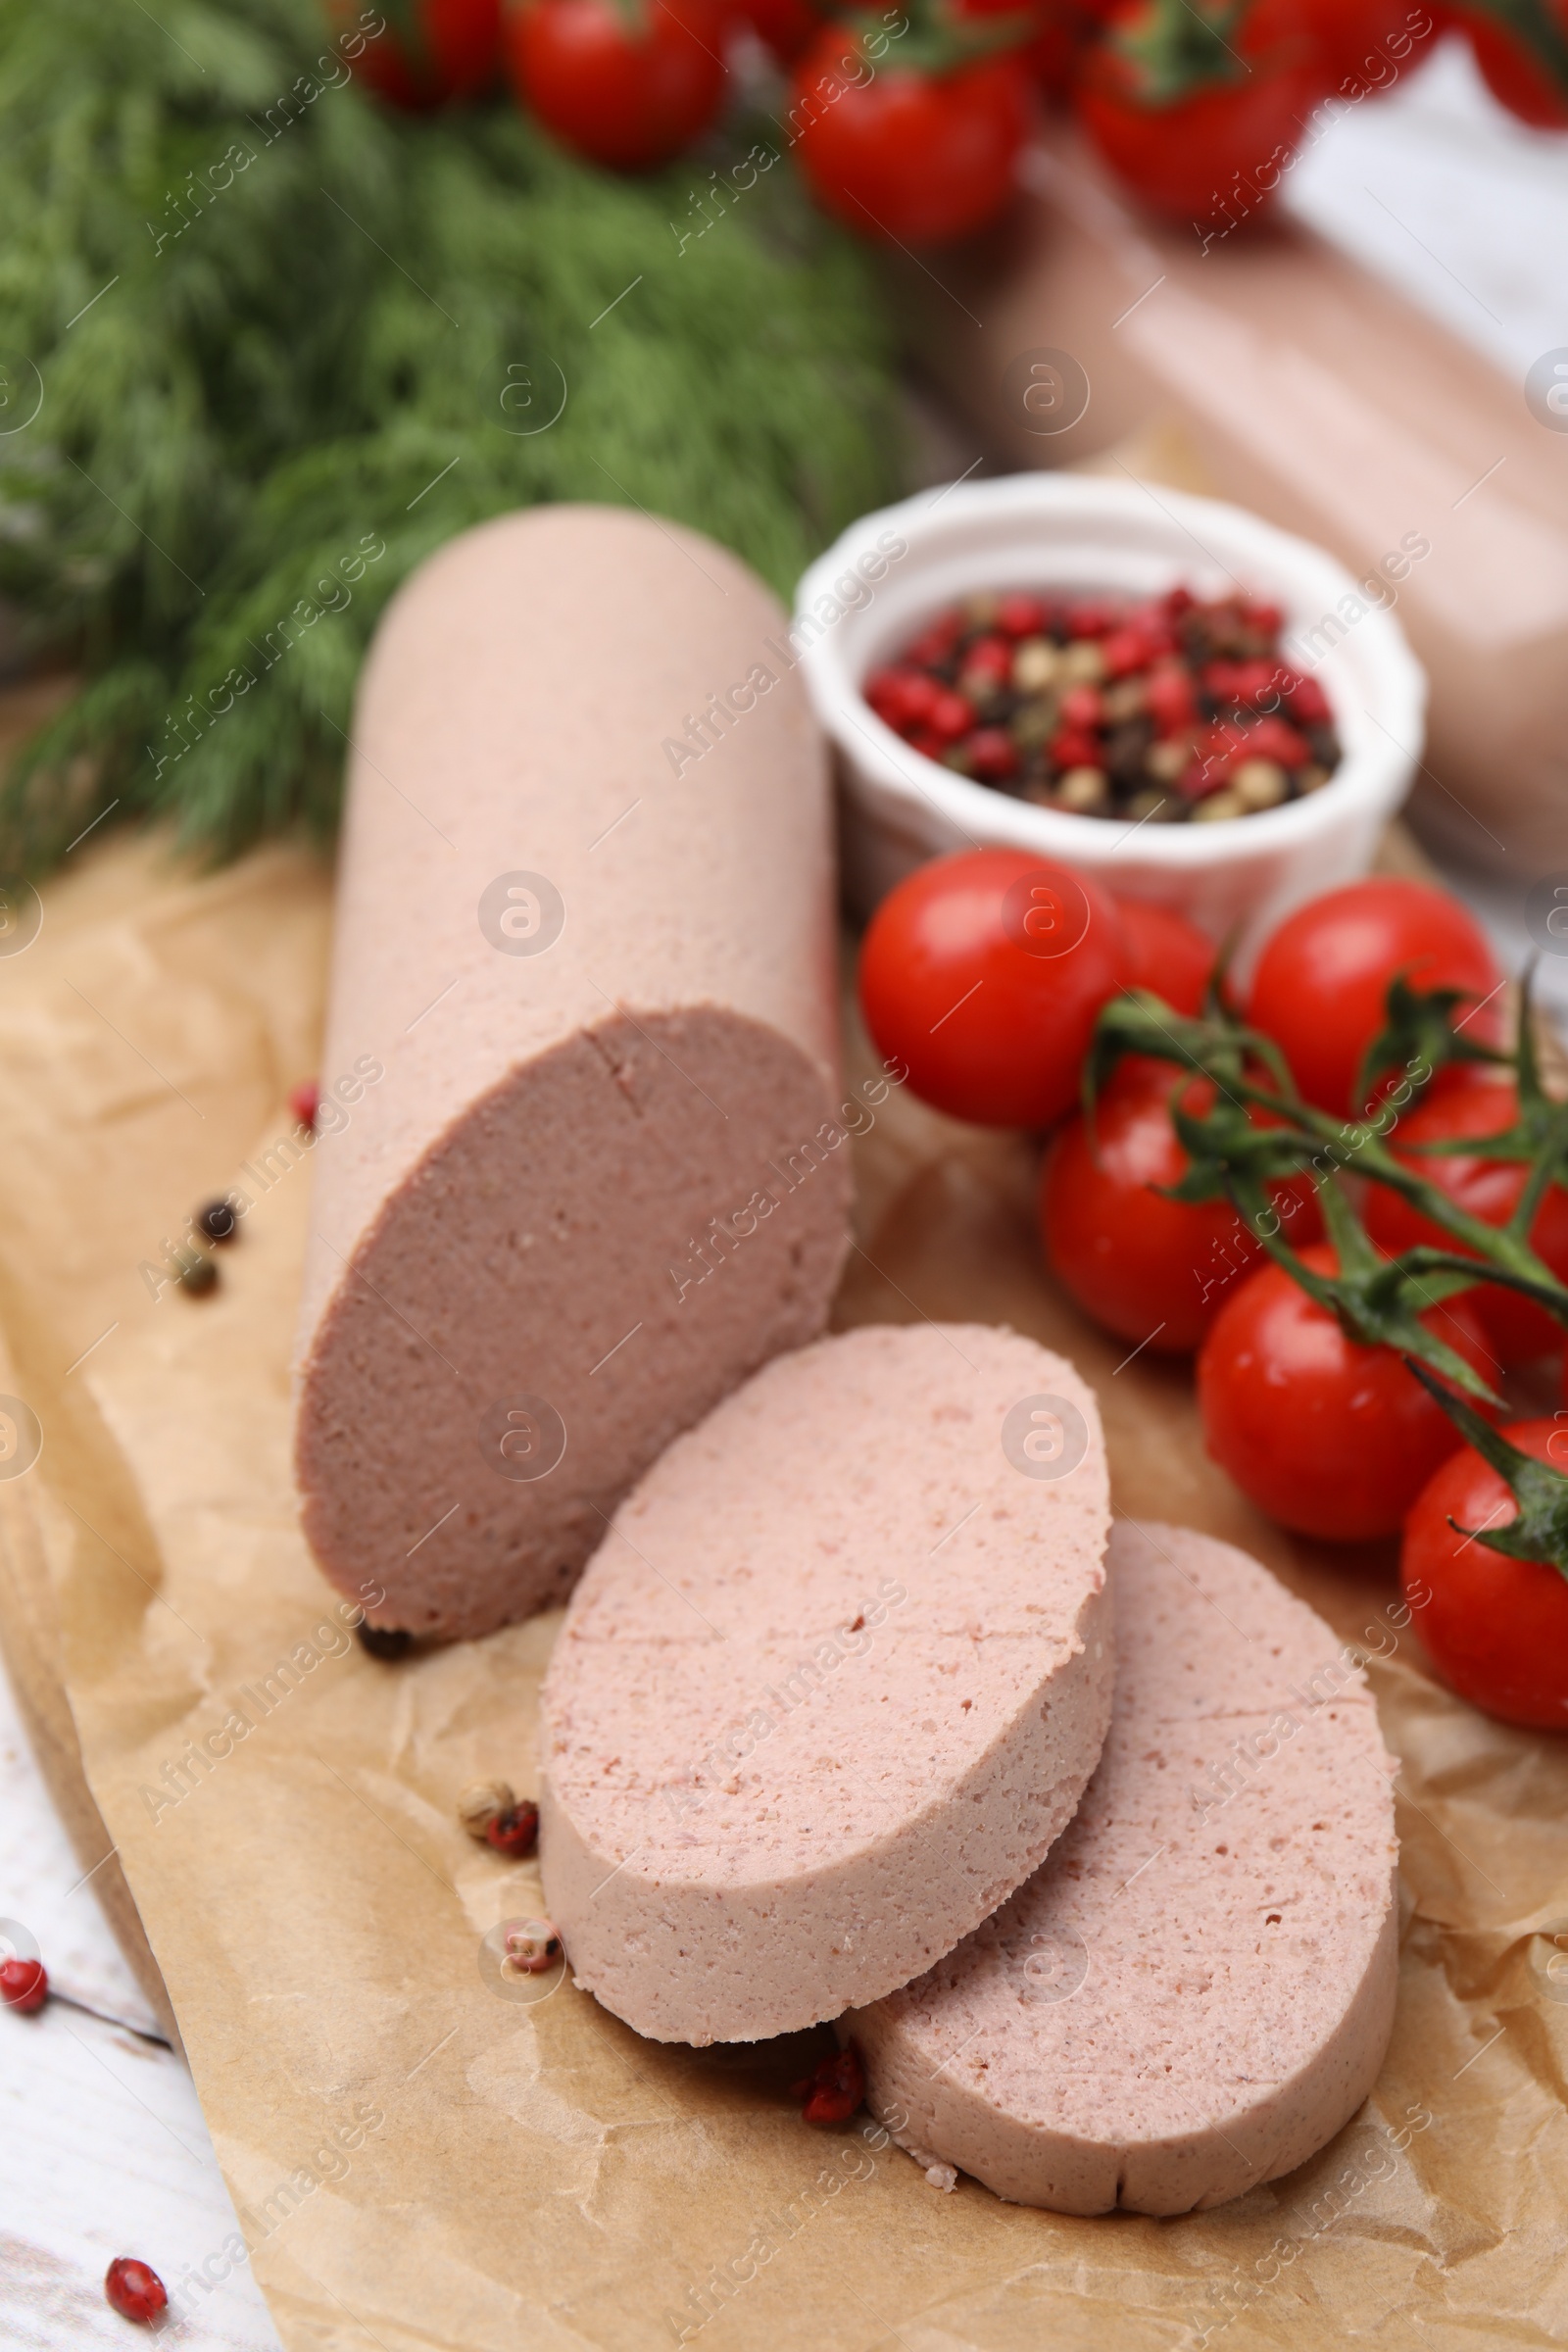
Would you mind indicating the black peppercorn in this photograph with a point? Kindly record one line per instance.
(198, 1273)
(384, 1640)
(217, 1221)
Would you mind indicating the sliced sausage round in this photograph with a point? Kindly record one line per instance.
(1196, 1990)
(833, 1684)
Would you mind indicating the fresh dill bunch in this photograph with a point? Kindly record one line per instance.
(264, 345)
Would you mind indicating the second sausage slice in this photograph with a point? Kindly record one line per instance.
(832, 1685)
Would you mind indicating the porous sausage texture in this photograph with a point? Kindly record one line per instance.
(832, 1685)
(1197, 1991)
(602, 1175)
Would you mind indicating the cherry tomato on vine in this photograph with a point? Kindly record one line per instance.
(1060, 30)
(429, 51)
(1518, 76)
(1468, 1100)
(1321, 984)
(1200, 116)
(626, 83)
(1168, 954)
(984, 972)
(904, 154)
(1154, 1270)
(1329, 1438)
(1496, 1629)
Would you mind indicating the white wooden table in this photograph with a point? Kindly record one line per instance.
(103, 2150)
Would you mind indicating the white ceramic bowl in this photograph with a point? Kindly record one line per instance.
(1058, 531)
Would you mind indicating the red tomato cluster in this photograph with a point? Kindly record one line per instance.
(984, 974)
(1199, 105)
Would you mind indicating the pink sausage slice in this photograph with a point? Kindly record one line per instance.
(832, 1685)
(1197, 1991)
(602, 1175)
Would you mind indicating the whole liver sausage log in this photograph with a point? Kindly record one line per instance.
(833, 1684)
(604, 1175)
(1197, 1991)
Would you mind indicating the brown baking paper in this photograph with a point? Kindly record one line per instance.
(422, 2162)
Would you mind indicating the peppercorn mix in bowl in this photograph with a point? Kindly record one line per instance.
(1173, 709)
(1270, 726)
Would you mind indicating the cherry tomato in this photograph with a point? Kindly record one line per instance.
(1496, 1629)
(625, 82)
(1517, 77)
(1364, 44)
(984, 972)
(1468, 1100)
(911, 157)
(1330, 1437)
(1168, 954)
(1154, 1270)
(785, 27)
(429, 51)
(1321, 984)
(1059, 28)
(1218, 152)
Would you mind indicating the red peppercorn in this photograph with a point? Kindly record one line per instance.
(937, 641)
(1240, 680)
(1177, 601)
(883, 689)
(1266, 619)
(993, 754)
(921, 740)
(1125, 651)
(1091, 617)
(1082, 707)
(1020, 615)
(1273, 739)
(304, 1102)
(1304, 700)
(23, 1983)
(515, 1834)
(833, 2090)
(990, 658)
(1072, 747)
(134, 2289)
(949, 716)
(1168, 696)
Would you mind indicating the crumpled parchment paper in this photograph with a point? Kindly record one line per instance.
(429, 2158)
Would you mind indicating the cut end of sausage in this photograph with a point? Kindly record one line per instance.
(586, 1260)
(1197, 1991)
(832, 1685)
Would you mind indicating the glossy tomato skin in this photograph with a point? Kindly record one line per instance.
(1515, 78)
(1467, 1100)
(1320, 988)
(436, 51)
(1218, 155)
(983, 974)
(1156, 1271)
(1329, 1438)
(1496, 1629)
(1168, 953)
(903, 155)
(629, 96)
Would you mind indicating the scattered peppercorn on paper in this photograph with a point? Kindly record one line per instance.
(430, 2152)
